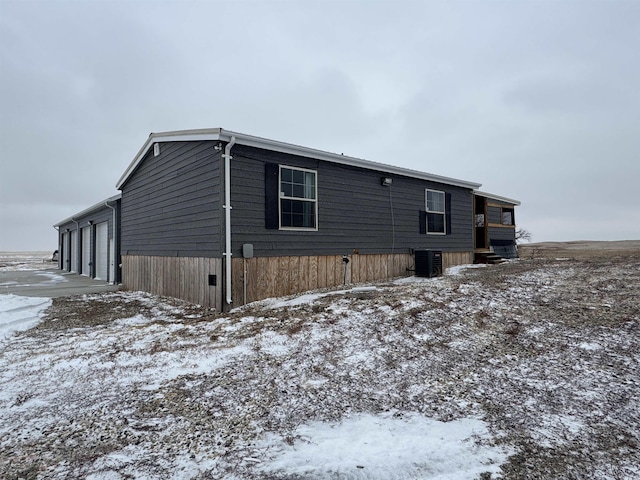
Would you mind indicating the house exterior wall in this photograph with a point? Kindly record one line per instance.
(171, 205)
(355, 212)
(172, 238)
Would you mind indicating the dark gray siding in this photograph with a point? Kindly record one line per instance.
(171, 205)
(502, 233)
(354, 211)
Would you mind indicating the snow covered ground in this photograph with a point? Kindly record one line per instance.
(523, 370)
(20, 313)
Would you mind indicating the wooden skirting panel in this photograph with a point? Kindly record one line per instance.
(278, 276)
(451, 259)
(180, 277)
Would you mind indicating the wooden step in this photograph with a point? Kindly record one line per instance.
(488, 258)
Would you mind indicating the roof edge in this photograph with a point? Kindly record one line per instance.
(497, 197)
(89, 210)
(220, 134)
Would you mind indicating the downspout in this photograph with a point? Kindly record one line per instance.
(115, 241)
(227, 217)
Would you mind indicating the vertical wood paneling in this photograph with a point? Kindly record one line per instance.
(187, 277)
(179, 277)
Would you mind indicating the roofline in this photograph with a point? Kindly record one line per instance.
(219, 134)
(89, 210)
(497, 197)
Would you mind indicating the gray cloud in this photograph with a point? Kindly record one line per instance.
(536, 100)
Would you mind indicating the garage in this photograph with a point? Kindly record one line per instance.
(102, 251)
(88, 241)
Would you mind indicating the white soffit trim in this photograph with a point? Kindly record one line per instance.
(219, 134)
(497, 197)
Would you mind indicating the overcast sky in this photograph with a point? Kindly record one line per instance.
(538, 101)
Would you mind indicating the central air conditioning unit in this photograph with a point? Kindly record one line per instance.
(428, 263)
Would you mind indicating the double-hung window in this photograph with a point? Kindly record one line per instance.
(436, 215)
(298, 198)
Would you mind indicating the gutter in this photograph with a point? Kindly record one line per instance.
(219, 134)
(227, 217)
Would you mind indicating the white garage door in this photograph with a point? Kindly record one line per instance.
(66, 251)
(102, 252)
(74, 250)
(86, 251)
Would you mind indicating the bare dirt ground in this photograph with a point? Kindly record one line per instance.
(579, 249)
(545, 350)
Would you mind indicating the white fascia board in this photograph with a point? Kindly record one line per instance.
(89, 210)
(283, 147)
(177, 136)
(497, 197)
(219, 134)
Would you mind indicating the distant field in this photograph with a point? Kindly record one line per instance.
(579, 249)
(25, 260)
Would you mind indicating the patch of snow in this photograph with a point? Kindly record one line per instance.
(592, 346)
(53, 277)
(275, 344)
(459, 269)
(385, 447)
(414, 279)
(19, 313)
(364, 289)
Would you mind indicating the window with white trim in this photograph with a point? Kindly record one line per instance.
(298, 199)
(436, 216)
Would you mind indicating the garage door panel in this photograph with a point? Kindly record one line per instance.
(102, 251)
(86, 251)
(74, 250)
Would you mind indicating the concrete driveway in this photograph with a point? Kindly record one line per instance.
(50, 282)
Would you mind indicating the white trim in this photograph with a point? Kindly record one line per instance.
(227, 218)
(298, 199)
(219, 134)
(497, 197)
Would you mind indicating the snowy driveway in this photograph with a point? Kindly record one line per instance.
(50, 282)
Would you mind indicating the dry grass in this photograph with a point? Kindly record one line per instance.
(579, 249)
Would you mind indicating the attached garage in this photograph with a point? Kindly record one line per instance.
(89, 241)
